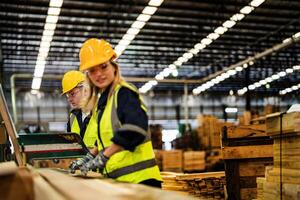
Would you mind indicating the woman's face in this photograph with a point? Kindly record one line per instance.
(102, 75)
(74, 96)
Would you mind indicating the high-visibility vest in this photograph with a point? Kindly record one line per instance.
(125, 165)
(89, 138)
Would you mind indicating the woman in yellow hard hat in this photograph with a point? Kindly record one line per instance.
(76, 88)
(125, 150)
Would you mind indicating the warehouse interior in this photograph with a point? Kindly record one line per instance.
(220, 79)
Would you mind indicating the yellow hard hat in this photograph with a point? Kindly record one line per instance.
(71, 79)
(95, 52)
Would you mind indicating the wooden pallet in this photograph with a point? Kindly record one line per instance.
(245, 159)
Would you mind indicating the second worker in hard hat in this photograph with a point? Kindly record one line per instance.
(76, 88)
(125, 150)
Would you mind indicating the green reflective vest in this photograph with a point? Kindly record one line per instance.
(89, 137)
(125, 165)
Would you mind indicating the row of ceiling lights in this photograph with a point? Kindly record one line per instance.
(49, 29)
(232, 72)
(172, 68)
(290, 89)
(137, 25)
(269, 79)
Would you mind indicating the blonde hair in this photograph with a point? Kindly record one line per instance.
(117, 80)
(89, 97)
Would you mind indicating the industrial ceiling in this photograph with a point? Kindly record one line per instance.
(172, 30)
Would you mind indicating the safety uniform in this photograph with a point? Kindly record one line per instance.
(136, 163)
(76, 125)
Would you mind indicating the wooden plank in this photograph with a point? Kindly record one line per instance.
(288, 175)
(254, 130)
(241, 152)
(252, 168)
(200, 175)
(78, 188)
(10, 128)
(248, 193)
(290, 123)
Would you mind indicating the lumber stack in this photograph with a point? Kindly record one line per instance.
(194, 160)
(285, 129)
(158, 158)
(213, 159)
(27, 183)
(246, 151)
(208, 185)
(172, 160)
(209, 129)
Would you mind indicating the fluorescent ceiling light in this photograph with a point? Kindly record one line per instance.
(286, 40)
(188, 55)
(275, 76)
(159, 77)
(124, 42)
(52, 19)
(138, 24)
(194, 51)
(153, 82)
(206, 41)
(53, 11)
(245, 65)
(289, 70)
(40, 63)
(172, 66)
(246, 9)
(296, 35)
(128, 37)
(49, 26)
(175, 73)
(237, 17)
(239, 68)
(56, 3)
(39, 71)
(256, 3)
(251, 87)
(296, 67)
(282, 74)
(155, 2)
(36, 83)
(231, 110)
(45, 44)
(182, 59)
(143, 18)
(213, 36)
(48, 32)
(220, 30)
(177, 63)
(149, 10)
(133, 31)
(199, 46)
(47, 38)
(229, 24)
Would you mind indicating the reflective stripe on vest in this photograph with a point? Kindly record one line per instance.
(132, 168)
(125, 165)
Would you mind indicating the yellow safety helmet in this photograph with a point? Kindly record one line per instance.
(95, 52)
(71, 79)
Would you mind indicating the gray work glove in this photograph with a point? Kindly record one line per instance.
(98, 162)
(76, 164)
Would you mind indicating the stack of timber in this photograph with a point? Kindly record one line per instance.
(214, 160)
(209, 129)
(172, 160)
(246, 151)
(208, 185)
(283, 179)
(158, 158)
(25, 183)
(194, 161)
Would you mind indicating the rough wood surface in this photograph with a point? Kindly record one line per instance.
(254, 130)
(242, 152)
(290, 123)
